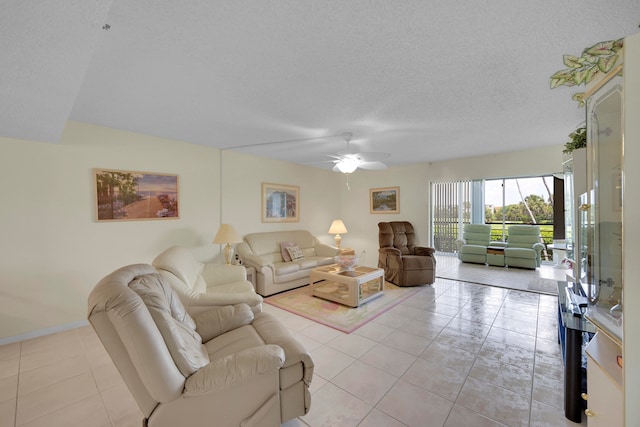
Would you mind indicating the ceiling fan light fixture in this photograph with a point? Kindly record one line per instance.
(347, 165)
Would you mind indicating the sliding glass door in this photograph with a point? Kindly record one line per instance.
(499, 202)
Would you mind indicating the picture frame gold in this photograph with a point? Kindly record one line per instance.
(280, 203)
(122, 195)
(384, 200)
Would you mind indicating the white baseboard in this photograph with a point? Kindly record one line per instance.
(43, 332)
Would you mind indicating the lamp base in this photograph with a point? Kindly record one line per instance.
(338, 240)
(228, 253)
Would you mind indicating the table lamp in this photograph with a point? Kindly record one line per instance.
(337, 228)
(227, 234)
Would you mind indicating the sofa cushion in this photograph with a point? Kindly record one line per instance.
(286, 268)
(173, 321)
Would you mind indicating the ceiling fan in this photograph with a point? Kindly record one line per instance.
(347, 162)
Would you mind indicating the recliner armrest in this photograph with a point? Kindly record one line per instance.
(233, 369)
(423, 251)
(390, 251)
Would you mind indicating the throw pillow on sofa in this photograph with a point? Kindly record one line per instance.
(283, 250)
(295, 252)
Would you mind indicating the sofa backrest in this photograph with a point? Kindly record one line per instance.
(268, 244)
(477, 234)
(523, 236)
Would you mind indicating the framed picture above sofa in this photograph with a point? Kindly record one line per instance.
(127, 195)
(385, 200)
(280, 203)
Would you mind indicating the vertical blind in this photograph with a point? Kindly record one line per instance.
(451, 207)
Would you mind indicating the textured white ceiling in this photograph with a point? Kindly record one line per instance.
(421, 80)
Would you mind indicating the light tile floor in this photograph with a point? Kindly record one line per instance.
(456, 354)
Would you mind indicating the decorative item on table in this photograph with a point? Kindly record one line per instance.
(347, 262)
(227, 234)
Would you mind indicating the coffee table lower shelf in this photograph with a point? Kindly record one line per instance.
(345, 294)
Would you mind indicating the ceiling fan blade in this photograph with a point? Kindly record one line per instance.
(374, 166)
(369, 156)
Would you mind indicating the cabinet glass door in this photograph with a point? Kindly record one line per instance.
(604, 257)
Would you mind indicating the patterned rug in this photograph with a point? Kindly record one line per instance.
(338, 316)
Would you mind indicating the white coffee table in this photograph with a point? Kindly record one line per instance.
(350, 288)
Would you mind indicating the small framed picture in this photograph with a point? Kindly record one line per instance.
(280, 203)
(385, 200)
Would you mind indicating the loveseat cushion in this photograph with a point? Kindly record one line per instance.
(173, 321)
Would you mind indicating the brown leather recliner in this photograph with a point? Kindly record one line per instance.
(404, 263)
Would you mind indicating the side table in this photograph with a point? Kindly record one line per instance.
(495, 256)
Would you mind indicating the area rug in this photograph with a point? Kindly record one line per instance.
(543, 280)
(338, 316)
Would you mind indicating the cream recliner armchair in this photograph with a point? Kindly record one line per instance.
(225, 367)
(201, 285)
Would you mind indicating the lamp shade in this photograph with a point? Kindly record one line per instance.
(337, 227)
(227, 234)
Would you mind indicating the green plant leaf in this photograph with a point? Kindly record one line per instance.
(571, 61)
(617, 45)
(558, 82)
(589, 59)
(602, 48)
(606, 63)
(580, 76)
(578, 97)
(592, 72)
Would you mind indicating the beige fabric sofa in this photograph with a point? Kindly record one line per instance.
(201, 285)
(273, 274)
(225, 367)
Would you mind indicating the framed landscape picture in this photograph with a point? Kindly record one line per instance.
(128, 196)
(385, 200)
(280, 203)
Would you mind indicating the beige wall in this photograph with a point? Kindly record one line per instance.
(54, 251)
